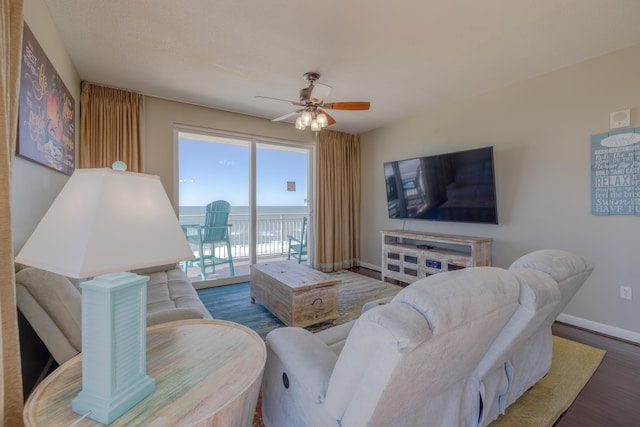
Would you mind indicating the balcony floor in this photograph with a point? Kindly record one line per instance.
(240, 266)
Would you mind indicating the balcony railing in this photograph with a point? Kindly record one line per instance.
(272, 231)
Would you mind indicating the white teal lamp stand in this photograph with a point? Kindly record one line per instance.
(103, 224)
(114, 359)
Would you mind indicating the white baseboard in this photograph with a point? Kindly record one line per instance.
(600, 327)
(371, 266)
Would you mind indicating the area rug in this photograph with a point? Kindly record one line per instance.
(572, 366)
(233, 302)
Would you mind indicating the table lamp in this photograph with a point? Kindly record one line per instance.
(105, 223)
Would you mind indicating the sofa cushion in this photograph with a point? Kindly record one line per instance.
(448, 300)
(566, 268)
(336, 336)
(173, 315)
(148, 270)
(557, 263)
(172, 290)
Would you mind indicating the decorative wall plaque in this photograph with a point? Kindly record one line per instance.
(615, 173)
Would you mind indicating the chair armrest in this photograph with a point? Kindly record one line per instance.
(295, 239)
(45, 327)
(306, 358)
(191, 227)
(193, 232)
(375, 303)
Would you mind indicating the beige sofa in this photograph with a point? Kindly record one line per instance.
(51, 304)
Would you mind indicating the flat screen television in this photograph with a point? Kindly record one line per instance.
(457, 186)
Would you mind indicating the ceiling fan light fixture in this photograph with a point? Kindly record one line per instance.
(312, 105)
(306, 118)
(322, 120)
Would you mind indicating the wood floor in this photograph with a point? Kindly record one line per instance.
(612, 396)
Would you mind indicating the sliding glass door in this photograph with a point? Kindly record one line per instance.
(281, 202)
(263, 185)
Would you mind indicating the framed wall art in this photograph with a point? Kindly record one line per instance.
(46, 130)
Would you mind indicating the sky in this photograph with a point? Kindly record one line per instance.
(211, 171)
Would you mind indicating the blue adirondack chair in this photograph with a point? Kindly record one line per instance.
(213, 235)
(298, 246)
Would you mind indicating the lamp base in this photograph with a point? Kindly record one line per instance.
(105, 411)
(114, 346)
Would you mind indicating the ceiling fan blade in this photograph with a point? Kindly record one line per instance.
(330, 120)
(286, 116)
(348, 105)
(280, 99)
(319, 92)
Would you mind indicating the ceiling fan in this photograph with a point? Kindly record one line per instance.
(312, 102)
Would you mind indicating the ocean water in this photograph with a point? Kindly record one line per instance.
(195, 214)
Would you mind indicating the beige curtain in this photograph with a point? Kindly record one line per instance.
(10, 55)
(338, 225)
(110, 127)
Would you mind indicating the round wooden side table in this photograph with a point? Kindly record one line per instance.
(207, 372)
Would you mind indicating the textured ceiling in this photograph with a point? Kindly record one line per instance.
(403, 56)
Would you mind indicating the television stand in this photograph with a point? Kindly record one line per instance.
(411, 255)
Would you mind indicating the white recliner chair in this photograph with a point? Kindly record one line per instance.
(452, 349)
(410, 362)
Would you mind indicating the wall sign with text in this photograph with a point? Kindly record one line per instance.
(615, 173)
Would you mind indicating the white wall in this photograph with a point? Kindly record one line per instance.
(540, 130)
(33, 186)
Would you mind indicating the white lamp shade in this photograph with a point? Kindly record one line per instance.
(315, 126)
(306, 118)
(322, 120)
(106, 221)
(299, 124)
